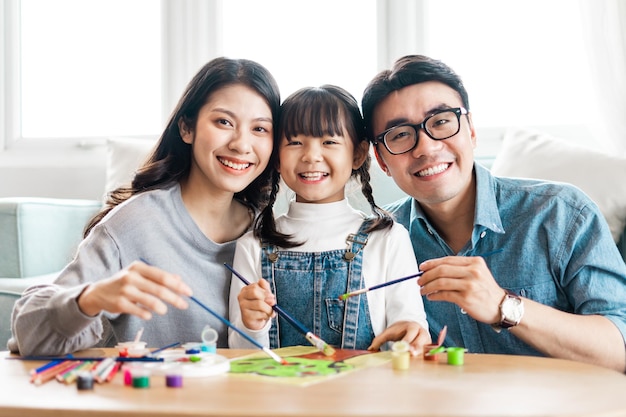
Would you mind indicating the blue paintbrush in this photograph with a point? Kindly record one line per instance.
(232, 326)
(241, 332)
(347, 295)
(315, 340)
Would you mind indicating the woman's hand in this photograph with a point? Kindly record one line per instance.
(138, 290)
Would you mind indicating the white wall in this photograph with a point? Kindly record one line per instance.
(73, 173)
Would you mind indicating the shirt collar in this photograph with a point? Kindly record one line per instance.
(487, 214)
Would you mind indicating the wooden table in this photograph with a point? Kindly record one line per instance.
(486, 385)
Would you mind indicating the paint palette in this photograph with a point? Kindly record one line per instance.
(188, 365)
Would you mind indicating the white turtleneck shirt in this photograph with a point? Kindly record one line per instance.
(388, 255)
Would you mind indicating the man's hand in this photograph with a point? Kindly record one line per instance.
(464, 281)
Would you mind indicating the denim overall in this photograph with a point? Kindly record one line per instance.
(307, 285)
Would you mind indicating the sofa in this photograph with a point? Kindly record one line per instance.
(39, 236)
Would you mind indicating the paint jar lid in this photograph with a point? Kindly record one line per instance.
(84, 381)
(209, 335)
(400, 346)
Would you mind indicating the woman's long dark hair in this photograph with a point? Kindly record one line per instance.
(326, 110)
(171, 159)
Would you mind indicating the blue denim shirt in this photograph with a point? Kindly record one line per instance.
(556, 249)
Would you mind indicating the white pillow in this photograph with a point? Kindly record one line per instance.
(124, 156)
(602, 177)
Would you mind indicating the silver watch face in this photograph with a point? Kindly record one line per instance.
(512, 309)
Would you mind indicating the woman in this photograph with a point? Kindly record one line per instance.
(197, 193)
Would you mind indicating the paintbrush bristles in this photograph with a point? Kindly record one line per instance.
(344, 297)
(322, 346)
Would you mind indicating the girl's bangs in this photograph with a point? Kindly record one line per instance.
(317, 116)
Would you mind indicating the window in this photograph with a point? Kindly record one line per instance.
(97, 68)
(305, 44)
(523, 63)
(90, 68)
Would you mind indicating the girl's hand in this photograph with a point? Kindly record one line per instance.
(139, 290)
(256, 301)
(409, 331)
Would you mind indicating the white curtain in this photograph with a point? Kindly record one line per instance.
(605, 22)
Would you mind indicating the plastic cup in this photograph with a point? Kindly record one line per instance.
(140, 378)
(456, 355)
(400, 356)
(434, 357)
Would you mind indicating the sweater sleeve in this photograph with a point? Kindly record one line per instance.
(47, 320)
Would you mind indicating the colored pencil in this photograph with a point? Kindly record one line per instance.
(102, 370)
(46, 366)
(315, 340)
(52, 372)
(347, 295)
(241, 332)
(69, 376)
(114, 371)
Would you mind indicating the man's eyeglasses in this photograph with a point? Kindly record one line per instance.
(438, 126)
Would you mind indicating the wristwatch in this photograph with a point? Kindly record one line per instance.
(511, 312)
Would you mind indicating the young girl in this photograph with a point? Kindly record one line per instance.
(197, 193)
(321, 248)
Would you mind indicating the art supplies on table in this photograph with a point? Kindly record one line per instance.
(191, 365)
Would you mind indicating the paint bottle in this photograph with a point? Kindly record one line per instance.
(209, 339)
(431, 352)
(141, 378)
(456, 355)
(84, 381)
(174, 378)
(400, 355)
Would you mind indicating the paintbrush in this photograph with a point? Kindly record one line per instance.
(241, 332)
(232, 326)
(347, 295)
(315, 340)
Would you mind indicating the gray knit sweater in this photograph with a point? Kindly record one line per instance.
(154, 226)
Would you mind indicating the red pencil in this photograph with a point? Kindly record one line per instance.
(113, 371)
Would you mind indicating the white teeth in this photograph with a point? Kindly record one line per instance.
(312, 175)
(233, 165)
(433, 170)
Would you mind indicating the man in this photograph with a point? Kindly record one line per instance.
(557, 286)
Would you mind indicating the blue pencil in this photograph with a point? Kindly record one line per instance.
(315, 340)
(46, 366)
(241, 332)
